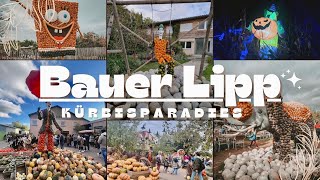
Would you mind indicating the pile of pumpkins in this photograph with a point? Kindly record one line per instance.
(119, 168)
(63, 165)
(154, 175)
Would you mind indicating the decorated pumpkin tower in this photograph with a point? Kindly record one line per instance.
(268, 29)
(162, 53)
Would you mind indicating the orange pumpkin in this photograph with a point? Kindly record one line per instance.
(297, 111)
(264, 28)
(246, 110)
(160, 51)
(97, 177)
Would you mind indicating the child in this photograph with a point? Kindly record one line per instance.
(166, 165)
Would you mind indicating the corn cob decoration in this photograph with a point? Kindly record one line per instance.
(160, 50)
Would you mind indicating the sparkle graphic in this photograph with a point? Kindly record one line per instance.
(294, 79)
(288, 71)
(299, 87)
(282, 75)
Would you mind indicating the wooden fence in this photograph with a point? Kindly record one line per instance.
(94, 53)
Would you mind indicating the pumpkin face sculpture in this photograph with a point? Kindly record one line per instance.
(264, 28)
(59, 27)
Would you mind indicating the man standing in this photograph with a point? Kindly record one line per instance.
(87, 146)
(102, 141)
(198, 166)
(47, 117)
(61, 140)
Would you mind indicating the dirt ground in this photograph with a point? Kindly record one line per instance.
(219, 157)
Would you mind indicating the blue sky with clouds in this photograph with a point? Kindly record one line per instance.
(16, 101)
(161, 12)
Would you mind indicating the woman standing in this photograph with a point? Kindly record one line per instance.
(253, 137)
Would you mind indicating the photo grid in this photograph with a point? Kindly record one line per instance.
(159, 89)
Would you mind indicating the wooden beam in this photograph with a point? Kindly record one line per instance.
(114, 51)
(141, 2)
(136, 35)
(206, 40)
(109, 28)
(116, 16)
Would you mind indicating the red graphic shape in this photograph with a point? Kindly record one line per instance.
(33, 82)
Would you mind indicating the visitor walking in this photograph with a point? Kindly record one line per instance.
(103, 145)
(91, 140)
(87, 145)
(75, 139)
(81, 142)
(252, 137)
(175, 166)
(166, 165)
(198, 166)
(159, 160)
(61, 140)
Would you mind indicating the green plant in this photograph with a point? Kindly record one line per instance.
(117, 65)
(210, 60)
(208, 71)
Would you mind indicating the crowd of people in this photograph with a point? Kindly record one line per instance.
(19, 142)
(82, 142)
(194, 163)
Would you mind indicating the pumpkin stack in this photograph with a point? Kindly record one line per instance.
(64, 165)
(154, 174)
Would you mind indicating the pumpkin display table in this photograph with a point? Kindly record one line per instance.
(63, 165)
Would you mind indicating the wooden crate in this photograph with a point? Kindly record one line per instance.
(135, 175)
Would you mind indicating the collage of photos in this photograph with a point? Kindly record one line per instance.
(159, 90)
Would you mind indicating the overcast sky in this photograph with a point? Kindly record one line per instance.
(309, 72)
(161, 12)
(92, 18)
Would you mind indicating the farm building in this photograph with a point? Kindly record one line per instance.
(191, 42)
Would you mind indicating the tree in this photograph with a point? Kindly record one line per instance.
(135, 22)
(190, 136)
(122, 135)
(17, 124)
(28, 43)
(91, 39)
(78, 128)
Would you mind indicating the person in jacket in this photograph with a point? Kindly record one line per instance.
(197, 167)
(103, 145)
(48, 118)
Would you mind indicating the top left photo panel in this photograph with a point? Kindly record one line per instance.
(52, 29)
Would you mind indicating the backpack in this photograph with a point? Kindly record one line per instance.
(202, 166)
(158, 160)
